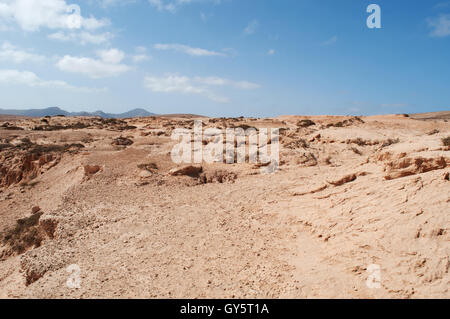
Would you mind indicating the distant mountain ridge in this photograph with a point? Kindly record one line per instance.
(53, 111)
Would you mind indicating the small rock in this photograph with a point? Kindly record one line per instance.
(447, 176)
(35, 209)
(90, 170)
(192, 171)
(145, 174)
(343, 180)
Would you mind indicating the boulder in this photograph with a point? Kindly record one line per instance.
(90, 170)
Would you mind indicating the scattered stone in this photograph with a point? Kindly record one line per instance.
(35, 210)
(192, 171)
(344, 180)
(90, 170)
(309, 190)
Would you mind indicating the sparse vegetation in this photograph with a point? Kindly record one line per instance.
(298, 143)
(10, 127)
(58, 127)
(390, 141)
(305, 123)
(148, 167)
(245, 127)
(446, 141)
(435, 131)
(23, 235)
(356, 151)
(122, 141)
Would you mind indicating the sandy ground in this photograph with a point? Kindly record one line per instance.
(359, 192)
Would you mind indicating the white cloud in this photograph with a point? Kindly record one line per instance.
(440, 25)
(9, 52)
(141, 55)
(112, 56)
(31, 15)
(251, 27)
(32, 80)
(161, 6)
(140, 58)
(198, 85)
(216, 81)
(83, 37)
(330, 41)
(108, 64)
(172, 83)
(188, 50)
(442, 5)
(110, 3)
(172, 5)
(271, 52)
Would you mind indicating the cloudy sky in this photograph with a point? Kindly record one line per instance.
(225, 57)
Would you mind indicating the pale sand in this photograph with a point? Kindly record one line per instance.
(303, 232)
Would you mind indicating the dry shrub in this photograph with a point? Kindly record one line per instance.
(298, 143)
(305, 123)
(122, 141)
(390, 141)
(356, 151)
(23, 235)
(218, 176)
(435, 131)
(446, 141)
(148, 167)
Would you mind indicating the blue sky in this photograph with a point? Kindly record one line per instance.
(225, 57)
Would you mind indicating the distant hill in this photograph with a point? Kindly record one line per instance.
(53, 111)
(443, 115)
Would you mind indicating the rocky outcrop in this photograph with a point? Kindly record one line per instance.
(343, 180)
(16, 168)
(411, 166)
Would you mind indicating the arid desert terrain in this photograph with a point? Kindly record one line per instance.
(105, 195)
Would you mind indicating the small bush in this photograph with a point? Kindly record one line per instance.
(24, 235)
(245, 127)
(446, 141)
(148, 167)
(356, 151)
(435, 131)
(305, 123)
(5, 146)
(390, 142)
(300, 143)
(338, 124)
(122, 141)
